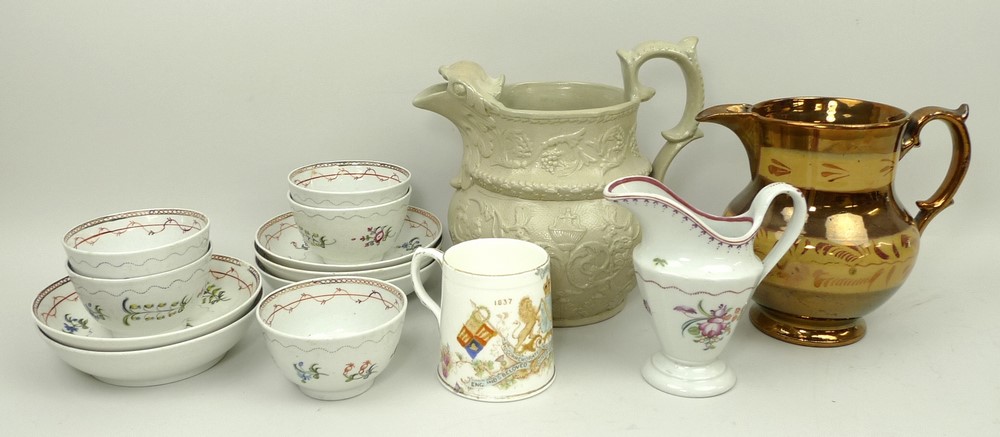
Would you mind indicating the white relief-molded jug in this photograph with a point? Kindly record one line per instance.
(536, 158)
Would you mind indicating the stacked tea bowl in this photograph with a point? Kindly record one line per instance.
(145, 301)
(347, 218)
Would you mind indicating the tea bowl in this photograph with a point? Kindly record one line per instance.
(159, 365)
(348, 184)
(332, 337)
(144, 305)
(233, 287)
(137, 243)
(346, 235)
(279, 240)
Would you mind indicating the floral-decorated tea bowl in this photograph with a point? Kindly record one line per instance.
(144, 305)
(348, 184)
(279, 240)
(332, 337)
(275, 281)
(137, 243)
(351, 235)
(233, 287)
(159, 365)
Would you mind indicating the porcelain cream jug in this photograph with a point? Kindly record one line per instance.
(859, 244)
(696, 272)
(536, 158)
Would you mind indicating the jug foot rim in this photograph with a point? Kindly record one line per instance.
(688, 381)
(805, 331)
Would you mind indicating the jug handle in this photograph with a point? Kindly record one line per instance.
(685, 56)
(944, 196)
(418, 285)
(761, 203)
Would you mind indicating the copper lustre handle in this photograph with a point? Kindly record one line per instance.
(944, 196)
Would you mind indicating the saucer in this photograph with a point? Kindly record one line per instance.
(294, 274)
(280, 241)
(159, 365)
(403, 282)
(233, 287)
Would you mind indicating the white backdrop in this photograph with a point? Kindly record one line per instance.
(108, 106)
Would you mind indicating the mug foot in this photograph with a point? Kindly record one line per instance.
(677, 379)
(807, 331)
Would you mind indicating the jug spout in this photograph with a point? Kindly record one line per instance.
(467, 87)
(649, 200)
(741, 119)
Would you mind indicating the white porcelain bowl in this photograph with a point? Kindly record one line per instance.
(137, 243)
(403, 282)
(347, 235)
(159, 365)
(233, 287)
(332, 337)
(144, 305)
(279, 240)
(294, 274)
(340, 184)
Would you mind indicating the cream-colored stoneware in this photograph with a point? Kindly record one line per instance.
(144, 305)
(351, 235)
(279, 240)
(696, 272)
(155, 366)
(332, 337)
(536, 158)
(348, 184)
(232, 288)
(137, 243)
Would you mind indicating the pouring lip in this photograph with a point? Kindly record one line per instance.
(697, 215)
(672, 193)
(894, 115)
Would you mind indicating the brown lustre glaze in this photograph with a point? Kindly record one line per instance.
(859, 244)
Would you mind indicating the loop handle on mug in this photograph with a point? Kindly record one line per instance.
(418, 286)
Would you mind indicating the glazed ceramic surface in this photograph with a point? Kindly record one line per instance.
(279, 240)
(536, 158)
(696, 272)
(340, 184)
(294, 275)
(332, 337)
(351, 235)
(155, 366)
(144, 305)
(137, 243)
(232, 288)
(495, 318)
(403, 282)
(859, 244)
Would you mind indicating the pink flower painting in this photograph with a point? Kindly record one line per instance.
(708, 327)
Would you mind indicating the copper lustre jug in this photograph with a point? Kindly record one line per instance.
(859, 244)
(536, 157)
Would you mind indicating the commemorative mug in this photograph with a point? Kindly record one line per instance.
(495, 318)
